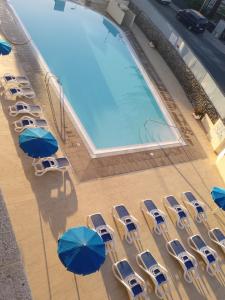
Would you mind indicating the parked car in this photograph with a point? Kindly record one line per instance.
(193, 20)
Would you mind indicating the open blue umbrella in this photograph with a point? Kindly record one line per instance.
(218, 195)
(5, 48)
(38, 142)
(81, 250)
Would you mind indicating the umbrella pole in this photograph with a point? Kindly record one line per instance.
(76, 284)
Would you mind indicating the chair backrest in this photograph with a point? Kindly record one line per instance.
(20, 106)
(9, 77)
(172, 201)
(97, 220)
(150, 205)
(190, 197)
(198, 241)
(122, 211)
(177, 247)
(148, 259)
(219, 234)
(46, 164)
(26, 122)
(14, 90)
(125, 268)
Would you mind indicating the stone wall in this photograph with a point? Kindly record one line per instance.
(13, 280)
(192, 87)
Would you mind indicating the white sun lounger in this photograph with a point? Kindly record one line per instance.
(129, 222)
(8, 80)
(157, 273)
(19, 92)
(97, 222)
(177, 212)
(134, 284)
(24, 108)
(218, 237)
(185, 259)
(155, 215)
(29, 122)
(196, 207)
(209, 255)
(47, 164)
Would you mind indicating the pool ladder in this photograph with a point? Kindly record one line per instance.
(61, 128)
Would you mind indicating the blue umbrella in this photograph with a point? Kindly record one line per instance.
(218, 195)
(81, 250)
(5, 48)
(38, 142)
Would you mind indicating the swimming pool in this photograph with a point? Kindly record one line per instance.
(114, 104)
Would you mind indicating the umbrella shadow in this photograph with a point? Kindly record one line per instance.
(54, 192)
(114, 289)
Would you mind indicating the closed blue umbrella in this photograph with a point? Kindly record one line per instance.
(81, 250)
(218, 195)
(38, 142)
(5, 48)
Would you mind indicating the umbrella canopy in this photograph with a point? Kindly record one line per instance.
(5, 48)
(81, 250)
(38, 142)
(218, 195)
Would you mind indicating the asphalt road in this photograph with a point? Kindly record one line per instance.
(210, 56)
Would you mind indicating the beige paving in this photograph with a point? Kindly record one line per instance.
(42, 208)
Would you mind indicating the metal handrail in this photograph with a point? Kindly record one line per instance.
(62, 129)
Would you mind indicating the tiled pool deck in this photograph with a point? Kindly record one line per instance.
(42, 208)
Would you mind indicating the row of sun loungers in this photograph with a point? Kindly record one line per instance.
(19, 86)
(21, 107)
(19, 92)
(9, 79)
(122, 269)
(29, 122)
(13, 87)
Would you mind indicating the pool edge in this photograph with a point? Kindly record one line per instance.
(92, 150)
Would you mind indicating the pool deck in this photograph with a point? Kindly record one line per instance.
(41, 209)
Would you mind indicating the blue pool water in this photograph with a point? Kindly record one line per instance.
(100, 77)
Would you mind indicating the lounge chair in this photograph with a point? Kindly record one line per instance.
(208, 254)
(157, 273)
(155, 215)
(196, 207)
(185, 259)
(28, 122)
(177, 211)
(129, 222)
(218, 237)
(97, 222)
(44, 165)
(134, 284)
(19, 92)
(8, 80)
(24, 108)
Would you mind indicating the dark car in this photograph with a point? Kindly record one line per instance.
(192, 19)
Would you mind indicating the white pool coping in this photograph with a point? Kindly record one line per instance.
(93, 151)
